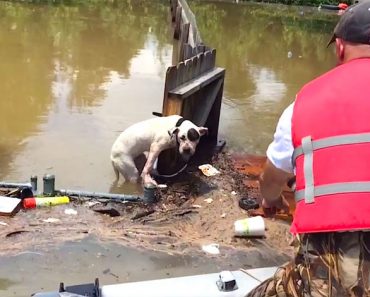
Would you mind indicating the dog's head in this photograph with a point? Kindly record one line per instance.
(187, 136)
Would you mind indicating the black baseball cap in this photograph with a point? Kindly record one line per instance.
(354, 24)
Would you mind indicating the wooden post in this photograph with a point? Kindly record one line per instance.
(170, 83)
(178, 18)
(193, 86)
(184, 36)
(173, 5)
(213, 120)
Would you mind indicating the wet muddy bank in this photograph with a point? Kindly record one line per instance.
(199, 210)
(41, 247)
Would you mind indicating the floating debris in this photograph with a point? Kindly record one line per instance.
(208, 170)
(208, 200)
(51, 220)
(92, 203)
(70, 211)
(248, 203)
(250, 227)
(112, 212)
(212, 248)
(16, 233)
(9, 205)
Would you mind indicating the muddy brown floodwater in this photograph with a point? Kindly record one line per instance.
(73, 75)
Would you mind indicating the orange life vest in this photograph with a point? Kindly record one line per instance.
(331, 139)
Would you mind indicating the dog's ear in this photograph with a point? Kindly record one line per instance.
(203, 131)
(173, 131)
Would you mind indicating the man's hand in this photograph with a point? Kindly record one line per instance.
(272, 210)
(272, 180)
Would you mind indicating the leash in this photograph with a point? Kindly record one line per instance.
(174, 174)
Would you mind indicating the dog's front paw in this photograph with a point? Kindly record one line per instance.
(147, 179)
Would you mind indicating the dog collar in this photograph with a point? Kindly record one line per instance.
(178, 124)
(180, 121)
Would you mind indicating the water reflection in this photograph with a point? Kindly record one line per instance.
(74, 75)
(71, 80)
(268, 88)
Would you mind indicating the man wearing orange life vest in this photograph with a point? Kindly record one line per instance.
(323, 138)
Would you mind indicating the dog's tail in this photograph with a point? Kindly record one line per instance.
(116, 171)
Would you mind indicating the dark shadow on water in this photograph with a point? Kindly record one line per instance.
(5, 284)
(120, 187)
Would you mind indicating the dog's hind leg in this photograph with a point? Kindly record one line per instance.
(116, 171)
(126, 166)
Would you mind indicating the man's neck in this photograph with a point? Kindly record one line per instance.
(357, 51)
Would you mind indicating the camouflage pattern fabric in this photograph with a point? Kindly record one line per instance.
(326, 264)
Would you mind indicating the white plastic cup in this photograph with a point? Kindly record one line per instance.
(254, 226)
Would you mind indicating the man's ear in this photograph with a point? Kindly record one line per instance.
(173, 131)
(203, 131)
(339, 46)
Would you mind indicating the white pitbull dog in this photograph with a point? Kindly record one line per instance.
(151, 137)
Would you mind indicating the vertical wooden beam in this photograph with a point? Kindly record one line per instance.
(213, 120)
(174, 106)
(180, 74)
(178, 21)
(188, 51)
(175, 52)
(184, 36)
(196, 66)
(173, 6)
(192, 58)
(188, 74)
(170, 83)
(208, 100)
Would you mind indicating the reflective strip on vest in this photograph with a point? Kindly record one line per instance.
(333, 141)
(309, 186)
(337, 188)
(306, 149)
